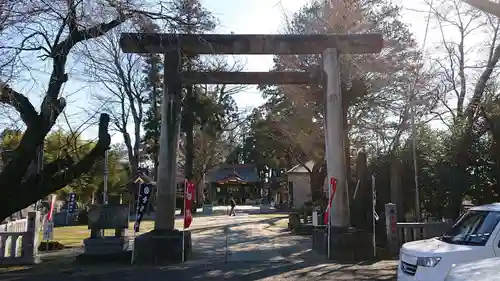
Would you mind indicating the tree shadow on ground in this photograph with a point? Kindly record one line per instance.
(218, 270)
(296, 261)
(215, 227)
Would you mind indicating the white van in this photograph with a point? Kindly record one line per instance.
(473, 237)
(482, 270)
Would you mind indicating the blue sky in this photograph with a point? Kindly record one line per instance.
(252, 17)
(241, 16)
(266, 16)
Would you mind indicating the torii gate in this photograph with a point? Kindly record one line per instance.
(175, 46)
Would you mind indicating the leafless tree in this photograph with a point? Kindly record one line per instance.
(466, 58)
(50, 33)
(376, 88)
(123, 96)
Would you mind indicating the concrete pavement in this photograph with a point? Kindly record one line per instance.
(230, 248)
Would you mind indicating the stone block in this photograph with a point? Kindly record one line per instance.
(265, 207)
(123, 257)
(320, 240)
(208, 208)
(107, 250)
(108, 216)
(293, 221)
(106, 245)
(350, 245)
(305, 229)
(162, 247)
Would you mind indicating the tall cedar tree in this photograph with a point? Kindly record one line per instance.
(194, 106)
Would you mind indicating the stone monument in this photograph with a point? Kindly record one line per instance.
(99, 247)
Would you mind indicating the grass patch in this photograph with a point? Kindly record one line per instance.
(73, 236)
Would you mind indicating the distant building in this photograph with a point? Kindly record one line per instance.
(241, 181)
(299, 185)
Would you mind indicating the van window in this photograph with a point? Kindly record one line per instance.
(473, 228)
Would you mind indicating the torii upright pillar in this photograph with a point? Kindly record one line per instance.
(169, 141)
(344, 242)
(334, 139)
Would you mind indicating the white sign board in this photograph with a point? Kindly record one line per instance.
(48, 230)
(315, 218)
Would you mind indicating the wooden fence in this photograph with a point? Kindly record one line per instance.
(18, 240)
(413, 231)
(399, 233)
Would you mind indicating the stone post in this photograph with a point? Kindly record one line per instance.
(334, 139)
(31, 238)
(169, 142)
(391, 227)
(360, 208)
(396, 190)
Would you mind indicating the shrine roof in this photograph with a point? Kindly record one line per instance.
(241, 172)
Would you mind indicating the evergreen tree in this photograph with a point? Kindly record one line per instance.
(153, 80)
(197, 107)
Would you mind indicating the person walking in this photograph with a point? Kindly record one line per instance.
(232, 212)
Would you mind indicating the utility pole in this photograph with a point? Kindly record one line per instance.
(414, 154)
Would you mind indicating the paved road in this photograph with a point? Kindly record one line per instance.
(231, 248)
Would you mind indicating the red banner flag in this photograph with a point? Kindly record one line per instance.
(189, 190)
(52, 205)
(333, 186)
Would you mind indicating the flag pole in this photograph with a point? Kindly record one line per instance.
(329, 214)
(184, 220)
(132, 259)
(374, 203)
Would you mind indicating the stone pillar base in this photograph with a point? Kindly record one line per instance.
(162, 247)
(319, 240)
(346, 244)
(208, 208)
(106, 250)
(350, 244)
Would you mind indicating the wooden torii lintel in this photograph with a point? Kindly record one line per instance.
(219, 44)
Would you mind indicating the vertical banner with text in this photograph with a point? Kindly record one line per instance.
(70, 208)
(142, 201)
(48, 225)
(189, 190)
(71, 203)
